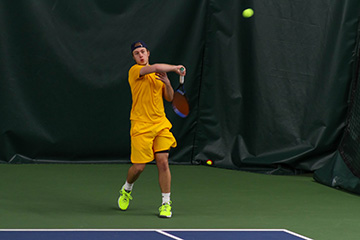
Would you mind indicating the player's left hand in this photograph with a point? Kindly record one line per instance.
(162, 76)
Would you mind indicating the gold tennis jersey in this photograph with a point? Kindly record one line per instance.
(147, 96)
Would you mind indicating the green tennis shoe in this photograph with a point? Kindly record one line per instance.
(165, 210)
(124, 199)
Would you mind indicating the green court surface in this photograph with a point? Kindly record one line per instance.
(84, 196)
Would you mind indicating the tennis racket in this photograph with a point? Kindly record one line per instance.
(180, 102)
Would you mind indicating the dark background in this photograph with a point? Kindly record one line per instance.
(268, 93)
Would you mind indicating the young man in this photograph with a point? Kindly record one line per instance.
(150, 129)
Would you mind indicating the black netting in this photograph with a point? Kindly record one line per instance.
(350, 145)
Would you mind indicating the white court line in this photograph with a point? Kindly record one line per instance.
(162, 231)
(168, 235)
(297, 235)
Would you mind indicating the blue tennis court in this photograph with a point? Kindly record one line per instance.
(150, 234)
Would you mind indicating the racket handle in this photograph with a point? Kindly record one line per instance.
(182, 79)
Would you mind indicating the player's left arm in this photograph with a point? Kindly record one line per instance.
(168, 90)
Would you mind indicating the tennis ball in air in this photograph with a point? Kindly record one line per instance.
(247, 13)
(209, 162)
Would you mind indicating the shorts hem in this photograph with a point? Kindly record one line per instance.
(143, 162)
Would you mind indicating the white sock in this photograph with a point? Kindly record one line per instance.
(128, 187)
(165, 198)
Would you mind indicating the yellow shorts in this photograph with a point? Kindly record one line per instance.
(148, 138)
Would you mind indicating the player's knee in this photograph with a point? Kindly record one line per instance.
(163, 166)
(138, 168)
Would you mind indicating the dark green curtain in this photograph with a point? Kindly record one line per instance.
(277, 99)
(64, 90)
(267, 93)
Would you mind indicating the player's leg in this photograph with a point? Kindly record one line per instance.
(134, 172)
(161, 146)
(125, 193)
(162, 164)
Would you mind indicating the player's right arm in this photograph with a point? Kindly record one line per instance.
(161, 67)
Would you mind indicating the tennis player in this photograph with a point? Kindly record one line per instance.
(150, 129)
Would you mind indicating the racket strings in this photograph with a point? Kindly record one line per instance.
(180, 104)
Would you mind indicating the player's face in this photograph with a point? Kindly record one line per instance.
(141, 56)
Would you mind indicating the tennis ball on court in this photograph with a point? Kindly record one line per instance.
(247, 13)
(209, 162)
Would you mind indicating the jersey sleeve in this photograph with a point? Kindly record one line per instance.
(134, 72)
